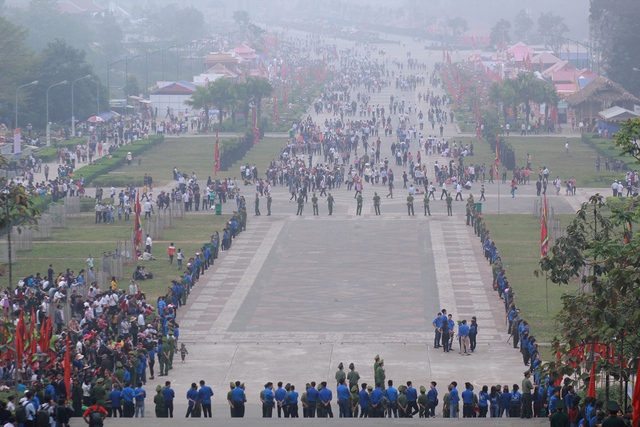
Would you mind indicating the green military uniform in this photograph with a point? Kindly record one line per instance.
(376, 363)
(99, 392)
(449, 201)
(423, 402)
(410, 211)
(354, 400)
(163, 358)
(133, 367)
(119, 373)
(330, 203)
(300, 205)
(359, 204)
(230, 397)
(158, 400)
(314, 202)
(376, 203)
(340, 374)
(403, 404)
(426, 205)
(353, 377)
(380, 376)
(305, 404)
(257, 205)
(269, 200)
(171, 343)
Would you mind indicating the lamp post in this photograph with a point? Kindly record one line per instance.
(64, 82)
(73, 117)
(35, 82)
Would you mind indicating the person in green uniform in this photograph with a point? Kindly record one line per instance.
(257, 204)
(426, 204)
(119, 373)
(305, 401)
(380, 376)
(613, 420)
(449, 201)
(171, 344)
(376, 363)
(158, 400)
(133, 367)
(376, 203)
(269, 200)
(164, 358)
(232, 385)
(330, 203)
(314, 203)
(300, 204)
(559, 418)
(354, 400)
(410, 211)
(359, 204)
(340, 374)
(99, 392)
(403, 404)
(423, 402)
(353, 376)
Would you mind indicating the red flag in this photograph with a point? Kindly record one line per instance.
(19, 340)
(592, 382)
(67, 367)
(33, 343)
(544, 234)
(217, 156)
(636, 399)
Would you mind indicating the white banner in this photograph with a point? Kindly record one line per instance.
(16, 143)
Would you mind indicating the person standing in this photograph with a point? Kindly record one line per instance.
(192, 400)
(300, 202)
(330, 202)
(324, 398)
(463, 333)
(171, 250)
(312, 398)
(343, 399)
(527, 388)
(423, 403)
(148, 244)
(269, 201)
(454, 401)
(449, 201)
(391, 395)
(473, 333)
(94, 415)
(314, 203)
(376, 203)
(269, 401)
(256, 204)
(467, 401)
(139, 395)
(204, 395)
(426, 204)
(238, 396)
(127, 395)
(168, 396)
(280, 396)
(292, 402)
(410, 211)
(364, 400)
(514, 187)
(353, 376)
(437, 325)
(380, 375)
(158, 401)
(432, 398)
(359, 204)
(412, 399)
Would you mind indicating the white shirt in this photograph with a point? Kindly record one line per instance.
(149, 241)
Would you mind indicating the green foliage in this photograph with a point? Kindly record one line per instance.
(628, 137)
(523, 26)
(500, 33)
(551, 29)
(458, 26)
(17, 206)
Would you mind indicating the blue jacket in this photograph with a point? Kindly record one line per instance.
(343, 392)
(168, 394)
(467, 397)
(391, 394)
(205, 394)
(280, 394)
(365, 399)
(269, 397)
(127, 395)
(376, 396)
(412, 394)
(325, 395)
(432, 395)
(453, 396)
(292, 399)
(115, 399)
(312, 394)
(192, 394)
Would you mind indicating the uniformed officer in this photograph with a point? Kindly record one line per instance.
(300, 204)
(257, 204)
(171, 343)
(426, 205)
(340, 374)
(380, 375)
(314, 202)
(423, 402)
(354, 400)
(330, 203)
(359, 204)
(403, 405)
(353, 376)
(449, 201)
(410, 211)
(269, 200)
(376, 203)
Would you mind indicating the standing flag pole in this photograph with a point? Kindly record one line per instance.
(137, 239)
(216, 166)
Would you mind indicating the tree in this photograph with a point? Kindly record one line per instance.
(241, 18)
(258, 88)
(202, 99)
(132, 87)
(178, 25)
(552, 29)
(499, 35)
(17, 64)
(458, 26)
(222, 96)
(523, 26)
(548, 94)
(613, 30)
(628, 138)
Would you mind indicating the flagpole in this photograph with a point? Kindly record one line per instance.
(546, 288)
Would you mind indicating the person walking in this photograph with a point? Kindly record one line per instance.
(204, 395)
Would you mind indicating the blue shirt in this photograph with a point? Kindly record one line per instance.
(483, 399)
(237, 394)
(438, 322)
(451, 324)
(376, 396)
(268, 395)
(365, 399)
(325, 395)
(391, 394)
(140, 394)
(343, 392)
(127, 395)
(312, 395)
(115, 399)
(293, 398)
(505, 400)
(432, 395)
(205, 394)
(453, 396)
(467, 397)
(412, 394)
(281, 394)
(168, 394)
(463, 330)
(192, 396)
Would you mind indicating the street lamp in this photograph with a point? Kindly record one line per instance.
(35, 82)
(73, 117)
(64, 82)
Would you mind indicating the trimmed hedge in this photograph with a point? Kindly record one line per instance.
(117, 159)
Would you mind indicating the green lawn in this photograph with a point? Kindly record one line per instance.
(196, 154)
(550, 152)
(518, 240)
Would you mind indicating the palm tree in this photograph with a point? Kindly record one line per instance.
(222, 95)
(527, 91)
(548, 96)
(202, 99)
(258, 88)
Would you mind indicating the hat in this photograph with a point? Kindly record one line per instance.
(377, 357)
(119, 364)
(158, 388)
(86, 304)
(46, 380)
(132, 319)
(613, 406)
(369, 388)
(560, 404)
(100, 380)
(354, 388)
(423, 388)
